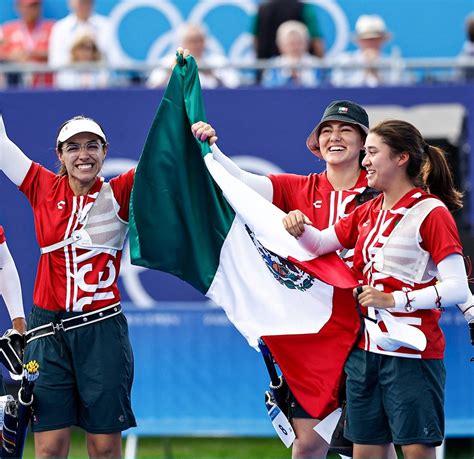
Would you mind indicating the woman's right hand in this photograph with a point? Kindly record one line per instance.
(294, 222)
(204, 131)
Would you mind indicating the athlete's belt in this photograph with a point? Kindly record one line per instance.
(74, 322)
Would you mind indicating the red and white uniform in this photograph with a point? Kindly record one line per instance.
(316, 198)
(366, 230)
(16, 36)
(313, 363)
(73, 278)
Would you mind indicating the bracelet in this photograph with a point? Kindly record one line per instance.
(408, 305)
(438, 299)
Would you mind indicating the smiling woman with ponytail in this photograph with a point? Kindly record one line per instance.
(408, 252)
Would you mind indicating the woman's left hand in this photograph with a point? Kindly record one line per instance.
(371, 297)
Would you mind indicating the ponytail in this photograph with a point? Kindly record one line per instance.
(438, 178)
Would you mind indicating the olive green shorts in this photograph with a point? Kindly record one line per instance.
(86, 375)
(394, 399)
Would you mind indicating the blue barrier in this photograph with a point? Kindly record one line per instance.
(195, 374)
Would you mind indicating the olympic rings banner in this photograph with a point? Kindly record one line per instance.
(415, 27)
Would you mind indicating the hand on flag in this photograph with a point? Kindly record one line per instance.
(180, 52)
(295, 221)
(204, 131)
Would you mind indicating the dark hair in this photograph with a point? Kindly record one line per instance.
(470, 28)
(427, 166)
(61, 167)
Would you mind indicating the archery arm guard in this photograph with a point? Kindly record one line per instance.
(11, 351)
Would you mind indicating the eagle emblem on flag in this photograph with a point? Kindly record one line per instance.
(283, 270)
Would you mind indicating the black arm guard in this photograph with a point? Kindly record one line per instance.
(11, 351)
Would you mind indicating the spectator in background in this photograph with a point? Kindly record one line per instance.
(371, 35)
(271, 14)
(292, 65)
(84, 51)
(194, 38)
(467, 53)
(26, 40)
(82, 20)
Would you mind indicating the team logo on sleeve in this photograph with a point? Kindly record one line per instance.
(283, 270)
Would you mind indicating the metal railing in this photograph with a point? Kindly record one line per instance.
(417, 70)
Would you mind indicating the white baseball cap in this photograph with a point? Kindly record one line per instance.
(77, 126)
(370, 26)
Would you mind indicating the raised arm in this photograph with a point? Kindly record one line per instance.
(13, 162)
(259, 183)
(10, 289)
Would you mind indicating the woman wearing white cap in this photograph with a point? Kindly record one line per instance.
(338, 139)
(77, 331)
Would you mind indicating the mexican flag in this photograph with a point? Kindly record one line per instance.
(191, 218)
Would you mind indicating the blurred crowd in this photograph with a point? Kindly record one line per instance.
(289, 51)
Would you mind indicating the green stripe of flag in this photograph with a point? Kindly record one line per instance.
(179, 218)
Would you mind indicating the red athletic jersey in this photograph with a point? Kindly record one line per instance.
(366, 229)
(313, 363)
(2, 235)
(316, 198)
(72, 278)
(17, 37)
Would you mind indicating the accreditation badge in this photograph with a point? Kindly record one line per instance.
(280, 422)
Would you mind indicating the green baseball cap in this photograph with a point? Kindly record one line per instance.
(339, 110)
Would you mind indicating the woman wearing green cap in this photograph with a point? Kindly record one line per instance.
(338, 139)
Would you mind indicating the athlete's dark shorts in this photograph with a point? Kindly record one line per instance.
(3, 389)
(394, 399)
(295, 409)
(85, 377)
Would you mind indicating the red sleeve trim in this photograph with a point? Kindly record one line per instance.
(2, 235)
